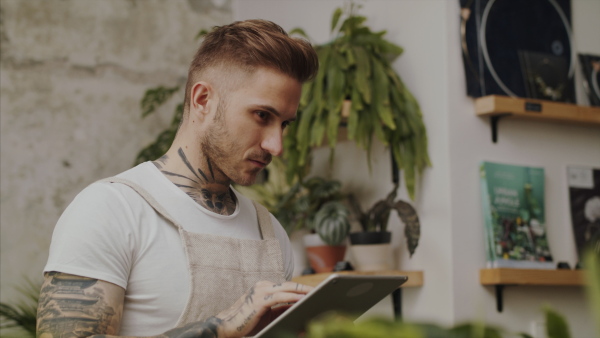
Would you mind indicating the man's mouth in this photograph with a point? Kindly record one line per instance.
(260, 163)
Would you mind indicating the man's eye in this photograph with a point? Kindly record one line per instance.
(285, 124)
(263, 115)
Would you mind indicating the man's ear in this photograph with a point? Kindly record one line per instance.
(200, 97)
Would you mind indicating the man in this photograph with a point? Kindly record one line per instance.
(168, 247)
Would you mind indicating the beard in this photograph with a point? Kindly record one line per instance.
(226, 155)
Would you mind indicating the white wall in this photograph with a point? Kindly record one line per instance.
(549, 145)
(451, 249)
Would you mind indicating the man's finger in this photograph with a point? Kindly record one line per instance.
(293, 287)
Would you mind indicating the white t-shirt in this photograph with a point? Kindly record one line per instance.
(111, 233)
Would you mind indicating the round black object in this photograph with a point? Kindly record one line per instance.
(370, 237)
(511, 27)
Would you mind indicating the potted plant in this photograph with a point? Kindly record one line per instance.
(370, 247)
(355, 71)
(315, 204)
(327, 219)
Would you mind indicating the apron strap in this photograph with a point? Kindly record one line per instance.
(264, 221)
(145, 195)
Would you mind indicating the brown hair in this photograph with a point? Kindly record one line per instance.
(249, 45)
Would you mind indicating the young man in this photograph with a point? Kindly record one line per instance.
(168, 248)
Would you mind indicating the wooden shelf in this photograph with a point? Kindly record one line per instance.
(415, 278)
(531, 277)
(496, 107)
(502, 277)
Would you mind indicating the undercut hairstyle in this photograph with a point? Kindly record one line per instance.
(247, 46)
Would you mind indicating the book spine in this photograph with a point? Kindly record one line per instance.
(487, 218)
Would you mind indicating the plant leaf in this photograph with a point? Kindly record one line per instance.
(299, 31)
(155, 97)
(556, 325)
(336, 17)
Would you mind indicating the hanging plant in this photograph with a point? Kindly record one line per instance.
(356, 67)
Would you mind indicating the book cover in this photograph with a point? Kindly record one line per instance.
(584, 200)
(513, 210)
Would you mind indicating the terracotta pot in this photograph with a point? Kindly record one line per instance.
(322, 257)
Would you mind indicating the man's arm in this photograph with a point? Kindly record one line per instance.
(86, 307)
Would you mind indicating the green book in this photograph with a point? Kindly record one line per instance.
(513, 213)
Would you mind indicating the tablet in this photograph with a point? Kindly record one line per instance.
(351, 295)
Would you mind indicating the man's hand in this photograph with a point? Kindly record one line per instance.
(264, 302)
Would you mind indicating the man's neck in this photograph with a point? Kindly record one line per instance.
(197, 178)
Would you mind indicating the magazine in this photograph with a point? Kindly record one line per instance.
(513, 210)
(584, 200)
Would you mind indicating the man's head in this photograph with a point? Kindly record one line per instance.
(229, 52)
(243, 89)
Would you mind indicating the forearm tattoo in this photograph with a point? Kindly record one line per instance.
(201, 185)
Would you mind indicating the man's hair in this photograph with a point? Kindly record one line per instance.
(251, 44)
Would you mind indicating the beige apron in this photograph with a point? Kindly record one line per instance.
(221, 269)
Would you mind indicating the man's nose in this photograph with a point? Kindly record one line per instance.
(273, 141)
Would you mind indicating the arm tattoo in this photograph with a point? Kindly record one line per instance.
(76, 305)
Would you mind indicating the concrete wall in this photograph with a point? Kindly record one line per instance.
(72, 74)
(451, 250)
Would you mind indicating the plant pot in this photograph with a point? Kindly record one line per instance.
(371, 257)
(371, 250)
(321, 256)
(370, 237)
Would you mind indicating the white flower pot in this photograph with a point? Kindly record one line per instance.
(371, 257)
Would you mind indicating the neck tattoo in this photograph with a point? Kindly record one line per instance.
(202, 186)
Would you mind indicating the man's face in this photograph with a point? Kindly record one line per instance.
(247, 128)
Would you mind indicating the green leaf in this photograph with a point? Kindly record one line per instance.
(318, 130)
(363, 73)
(355, 108)
(299, 31)
(201, 34)
(409, 169)
(155, 97)
(380, 94)
(556, 325)
(306, 93)
(333, 125)
(591, 262)
(336, 17)
(335, 85)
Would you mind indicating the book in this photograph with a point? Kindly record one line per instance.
(584, 200)
(514, 219)
(590, 67)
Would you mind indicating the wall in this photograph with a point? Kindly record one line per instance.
(451, 249)
(549, 145)
(72, 74)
